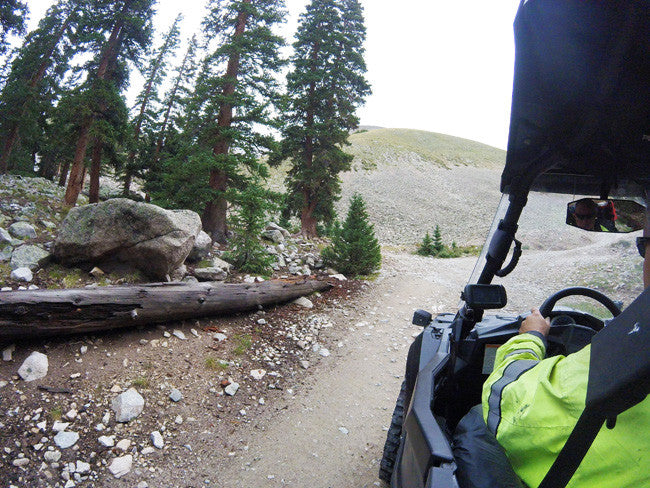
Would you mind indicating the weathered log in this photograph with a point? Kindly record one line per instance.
(55, 312)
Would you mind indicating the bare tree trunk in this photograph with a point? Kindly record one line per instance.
(93, 192)
(55, 312)
(214, 216)
(63, 176)
(76, 179)
(74, 182)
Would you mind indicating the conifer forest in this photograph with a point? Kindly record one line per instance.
(214, 112)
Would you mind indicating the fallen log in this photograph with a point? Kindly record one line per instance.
(40, 313)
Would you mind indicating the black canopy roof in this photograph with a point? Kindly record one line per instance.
(581, 97)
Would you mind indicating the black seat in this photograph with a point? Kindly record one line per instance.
(481, 461)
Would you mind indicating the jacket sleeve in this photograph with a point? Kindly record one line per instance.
(513, 359)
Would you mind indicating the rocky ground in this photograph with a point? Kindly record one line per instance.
(286, 396)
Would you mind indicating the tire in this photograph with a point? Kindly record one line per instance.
(394, 434)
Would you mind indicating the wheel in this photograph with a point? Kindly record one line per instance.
(393, 437)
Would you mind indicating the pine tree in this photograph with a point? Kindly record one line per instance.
(34, 82)
(246, 251)
(145, 120)
(426, 246)
(234, 104)
(128, 26)
(355, 249)
(324, 88)
(438, 246)
(12, 20)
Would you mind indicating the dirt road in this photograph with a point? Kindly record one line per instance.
(331, 431)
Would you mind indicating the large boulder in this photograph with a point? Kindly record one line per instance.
(145, 236)
(28, 256)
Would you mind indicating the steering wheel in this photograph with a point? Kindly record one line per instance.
(547, 306)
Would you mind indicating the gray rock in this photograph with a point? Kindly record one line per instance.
(7, 352)
(22, 230)
(190, 279)
(82, 467)
(175, 395)
(152, 239)
(34, 367)
(65, 439)
(201, 248)
(107, 440)
(20, 462)
(303, 302)
(273, 235)
(231, 389)
(22, 274)
(127, 405)
(210, 274)
(5, 237)
(179, 273)
(52, 456)
(179, 334)
(274, 226)
(121, 466)
(157, 440)
(29, 256)
(5, 253)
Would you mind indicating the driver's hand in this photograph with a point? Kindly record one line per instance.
(535, 322)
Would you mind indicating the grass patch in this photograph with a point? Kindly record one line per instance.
(215, 364)
(244, 342)
(589, 307)
(141, 382)
(73, 278)
(56, 413)
(205, 263)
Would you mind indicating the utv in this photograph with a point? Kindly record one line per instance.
(580, 125)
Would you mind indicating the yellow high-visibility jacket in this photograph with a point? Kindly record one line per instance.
(532, 405)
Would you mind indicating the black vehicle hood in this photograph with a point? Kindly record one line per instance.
(581, 97)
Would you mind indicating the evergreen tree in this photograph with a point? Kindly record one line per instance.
(231, 104)
(246, 251)
(324, 88)
(12, 20)
(34, 82)
(438, 246)
(426, 246)
(145, 121)
(355, 249)
(127, 23)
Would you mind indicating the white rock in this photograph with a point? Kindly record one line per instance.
(339, 277)
(157, 440)
(128, 405)
(231, 389)
(20, 462)
(83, 349)
(304, 364)
(220, 337)
(194, 332)
(261, 322)
(303, 302)
(106, 418)
(82, 467)
(116, 389)
(147, 450)
(344, 430)
(7, 352)
(42, 425)
(178, 419)
(6, 288)
(121, 465)
(32, 287)
(258, 374)
(66, 439)
(59, 426)
(69, 484)
(34, 367)
(175, 395)
(179, 334)
(123, 445)
(52, 456)
(107, 440)
(324, 352)
(22, 274)
(72, 414)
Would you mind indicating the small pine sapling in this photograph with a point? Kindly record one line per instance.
(355, 250)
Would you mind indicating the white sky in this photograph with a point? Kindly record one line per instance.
(441, 66)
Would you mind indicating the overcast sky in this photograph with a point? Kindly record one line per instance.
(441, 66)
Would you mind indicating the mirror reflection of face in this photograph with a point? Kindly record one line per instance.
(617, 216)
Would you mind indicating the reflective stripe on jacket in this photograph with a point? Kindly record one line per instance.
(532, 404)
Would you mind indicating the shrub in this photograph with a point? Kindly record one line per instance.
(435, 247)
(355, 249)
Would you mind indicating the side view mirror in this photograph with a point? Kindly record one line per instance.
(616, 216)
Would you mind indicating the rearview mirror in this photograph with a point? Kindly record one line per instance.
(617, 216)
